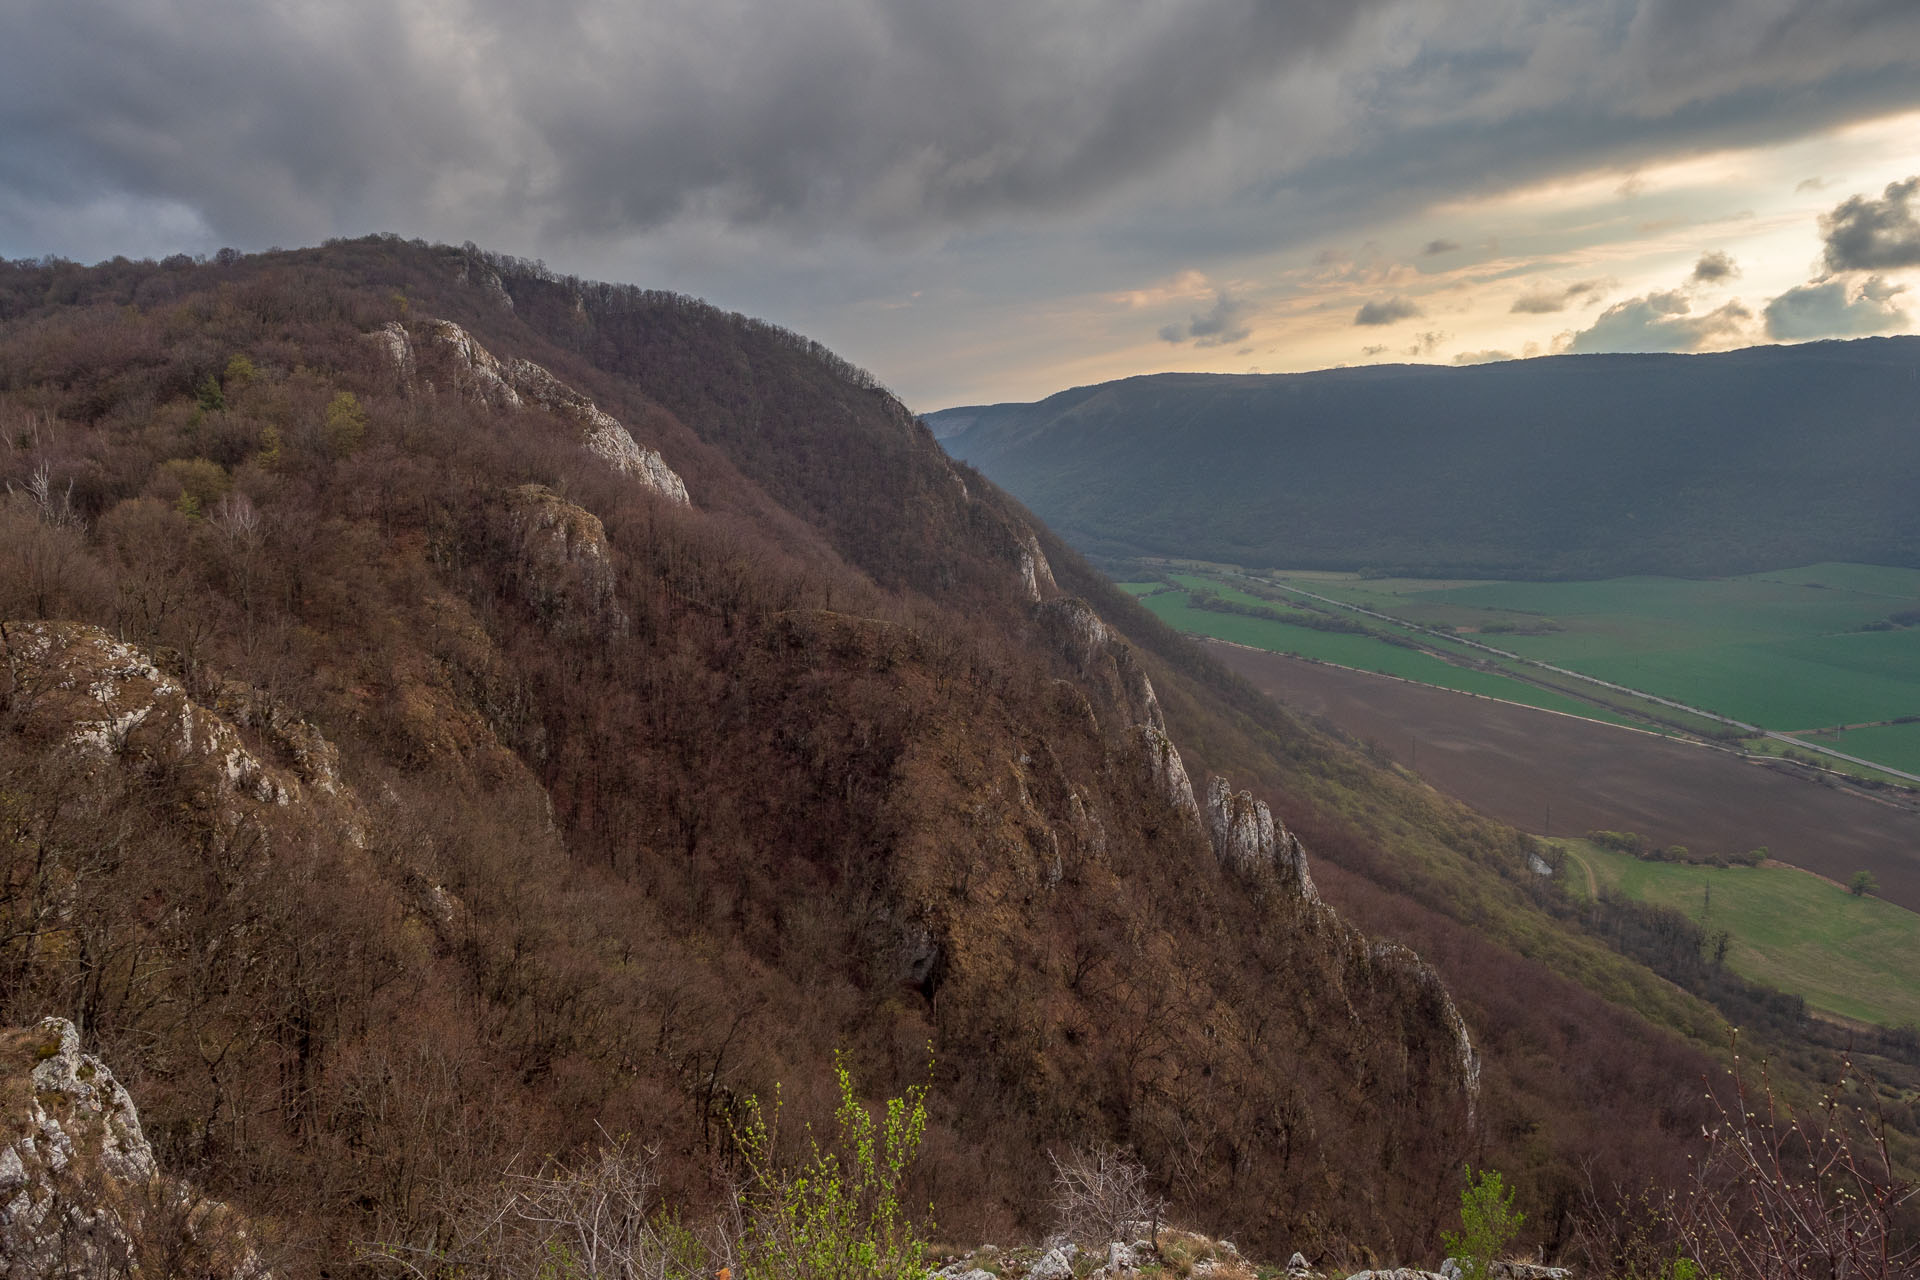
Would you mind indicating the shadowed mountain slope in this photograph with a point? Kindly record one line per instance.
(1572, 466)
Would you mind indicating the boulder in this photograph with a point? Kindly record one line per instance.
(1054, 1264)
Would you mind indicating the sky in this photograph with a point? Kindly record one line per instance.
(994, 200)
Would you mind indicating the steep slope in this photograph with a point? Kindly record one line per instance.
(448, 711)
(1573, 466)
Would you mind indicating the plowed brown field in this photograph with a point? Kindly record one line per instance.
(1517, 764)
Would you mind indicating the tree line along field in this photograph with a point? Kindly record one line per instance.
(1857, 956)
(1361, 651)
(1831, 648)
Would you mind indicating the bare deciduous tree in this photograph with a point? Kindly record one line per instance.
(1101, 1194)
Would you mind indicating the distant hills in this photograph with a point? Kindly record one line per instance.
(1570, 466)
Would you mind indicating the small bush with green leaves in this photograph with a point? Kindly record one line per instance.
(838, 1215)
(1488, 1223)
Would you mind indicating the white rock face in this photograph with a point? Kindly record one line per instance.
(606, 438)
(516, 382)
(481, 376)
(1393, 955)
(1242, 828)
(1035, 573)
(566, 567)
(393, 340)
(1104, 659)
(1168, 773)
(484, 278)
(77, 1175)
(1247, 837)
(107, 699)
(1081, 632)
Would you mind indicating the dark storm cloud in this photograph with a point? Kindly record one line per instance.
(614, 117)
(1836, 308)
(1874, 235)
(1713, 267)
(805, 159)
(1387, 310)
(1223, 323)
(1661, 322)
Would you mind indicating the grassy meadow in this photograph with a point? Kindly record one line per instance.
(1858, 957)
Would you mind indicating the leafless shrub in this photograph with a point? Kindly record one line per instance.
(1101, 1194)
(1808, 1195)
(594, 1220)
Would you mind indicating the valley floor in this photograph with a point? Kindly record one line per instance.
(1555, 774)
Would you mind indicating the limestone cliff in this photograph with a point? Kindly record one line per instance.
(81, 688)
(517, 382)
(566, 567)
(80, 1192)
(1247, 838)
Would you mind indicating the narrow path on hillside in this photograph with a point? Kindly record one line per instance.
(1593, 885)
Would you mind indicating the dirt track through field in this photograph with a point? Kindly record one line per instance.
(1515, 763)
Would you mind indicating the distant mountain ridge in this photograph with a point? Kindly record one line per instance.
(1567, 466)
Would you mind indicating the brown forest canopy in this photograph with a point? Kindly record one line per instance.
(608, 812)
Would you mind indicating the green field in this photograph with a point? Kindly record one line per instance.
(1792, 650)
(1894, 744)
(1361, 652)
(1857, 957)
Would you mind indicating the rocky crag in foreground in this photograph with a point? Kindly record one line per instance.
(82, 1196)
(80, 1193)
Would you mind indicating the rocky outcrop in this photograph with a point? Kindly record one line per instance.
(397, 345)
(566, 568)
(1247, 839)
(81, 688)
(80, 1192)
(1452, 1270)
(1167, 773)
(516, 382)
(477, 374)
(1102, 658)
(1427, 983)
(1035, 573)
(474, 270)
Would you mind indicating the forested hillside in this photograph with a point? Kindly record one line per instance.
(450, 714)
(1591, 466)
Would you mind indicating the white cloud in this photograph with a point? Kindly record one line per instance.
(1662, 322)
(1837, 307)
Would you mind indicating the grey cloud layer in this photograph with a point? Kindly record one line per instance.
(598, 117)
(595, 119)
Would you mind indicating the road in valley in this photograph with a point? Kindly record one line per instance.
(1516, 763)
